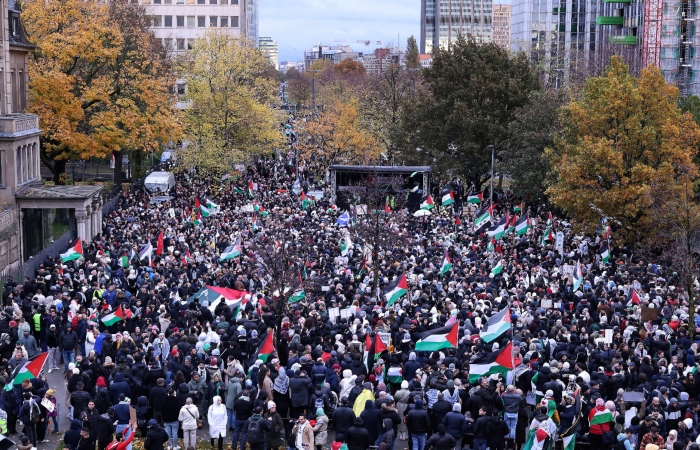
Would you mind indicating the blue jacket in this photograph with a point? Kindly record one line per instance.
(119, 386)
(72, 437)
(122, 413)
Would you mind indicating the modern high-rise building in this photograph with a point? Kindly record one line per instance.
(501, 25)
(558, 35)
(443, 20)
(270, 49)
(178, 22)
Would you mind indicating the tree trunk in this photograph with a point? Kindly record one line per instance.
(118, 168)
(59, 171)
(691, 310)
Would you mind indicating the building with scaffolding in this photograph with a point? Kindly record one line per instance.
(679, 59)
(443, 20)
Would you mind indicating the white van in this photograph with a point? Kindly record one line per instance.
(159, 180)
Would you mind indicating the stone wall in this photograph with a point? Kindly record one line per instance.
(9, 241)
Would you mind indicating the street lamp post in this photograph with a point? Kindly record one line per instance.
(492, 147)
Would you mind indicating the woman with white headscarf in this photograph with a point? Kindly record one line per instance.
(217, 418)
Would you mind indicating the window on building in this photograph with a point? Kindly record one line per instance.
(22, 91)
(234, 2)
(224, 22)
(168, 43)
(179, 2)
(190, 21)
(13, 86)
(157, 2)
(180, 20)
(18, 161)
(2, 180)
(168, 2)
(223, 2)
(181, 88)
(134, 2)
(201, 2)
(156, 21)
(168, 21)
(190, 44)
(234, 21)
(213, 2)
(201, 21)
(213, 21)
(180, 44)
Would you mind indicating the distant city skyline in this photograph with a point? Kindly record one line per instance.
(301, 25)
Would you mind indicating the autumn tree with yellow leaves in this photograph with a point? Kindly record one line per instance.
(229, 115)
(98, 80)
(337, 136)
(623, 137)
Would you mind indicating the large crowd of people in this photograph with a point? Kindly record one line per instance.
(587, 370)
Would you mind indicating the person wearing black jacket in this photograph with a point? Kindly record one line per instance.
(72, 436)
(455, 424)
(156, 437)
(497, 431)
(343, 417)
(171, 413)
(79, 399)
(440, 440)
(419, 423)
(481, 430)
(156, 397)
(105, 429)
(357, 437)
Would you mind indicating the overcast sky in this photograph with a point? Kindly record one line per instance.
(297, 25)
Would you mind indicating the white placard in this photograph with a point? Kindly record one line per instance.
(608, 336)
(333, 313)
(248, 208)
(546, 303)
(557, 305)
(48, 404)
(559, 245)
(386, 338)
(346, 313)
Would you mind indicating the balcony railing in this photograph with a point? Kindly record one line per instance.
(18, 123)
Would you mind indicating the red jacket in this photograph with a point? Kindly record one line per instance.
(597, 428)
(122, 445)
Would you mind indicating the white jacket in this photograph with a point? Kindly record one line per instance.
(188, 416)
(217, 418)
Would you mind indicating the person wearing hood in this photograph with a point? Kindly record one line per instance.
(233, 392)
(418, 423)
(370, 417)
(361, 400)
(357, 436)
(105, 429)
(72, 436)
(156, 437)
(455, 424)
(673, 414)
(118, 387)
(388, 435)
(604, 422)
(347, 383)
(321, 429)
(410, 367)
(670, 440)
(217, 418)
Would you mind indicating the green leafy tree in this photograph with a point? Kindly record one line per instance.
(625, 136)
(412, 54)
(529, 134)
(472, 91)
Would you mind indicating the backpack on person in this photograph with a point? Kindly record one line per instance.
(34, 412)
(253, 433)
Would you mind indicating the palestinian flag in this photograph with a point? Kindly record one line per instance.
(551, 409)
(511, 225)
(197, 218)
(539, 395)
(605, 253)
(345, 245)
(548, 235)
(537, 438)
(238, 190)
(634, 298)
(363, 268)
(266, 348)
(396, 290)
(496, 326)
(601, 417)
(251, 188)
(375, 349)
(387, 208)
(116, 316)
(492, 246)
(299, 294)
(427, 203)
(457, 221)
(475, 198)
(498, 268)
(124, 261)
(73, 253)
(231, 252)
(448, 199)
(499, 230)
(31, 369)
(203, 209)
(305, 201)
(304, 275)
(569, 442)
(213, 207)
(394, 375)
(578, 275)
(446, 264)
(518, 208)
(482, 218)
(522, 225)
(438, 339)
(492, 363)
(550, 221)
